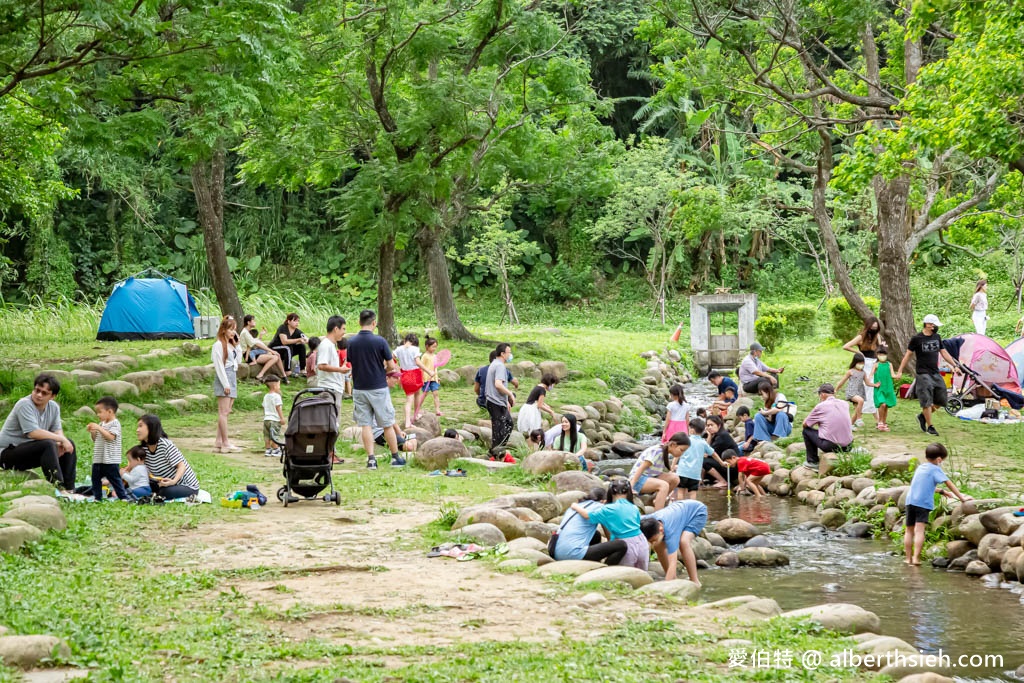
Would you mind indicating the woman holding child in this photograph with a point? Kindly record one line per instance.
(170, 475)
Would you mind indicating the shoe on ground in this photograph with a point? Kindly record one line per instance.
(371, 463)
(859, 422)
(268, 452)
(508, 458)
(273, 453)
(931, 430)
(920, 421)
(397, 461)
(812, 465)
(435, 473)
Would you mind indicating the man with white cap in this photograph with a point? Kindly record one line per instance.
(926, 346)
(753, 370)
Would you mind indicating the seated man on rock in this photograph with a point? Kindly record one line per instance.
(727, 393)
(834, 431)
(753, 370)
(32, 436)
(681, 522)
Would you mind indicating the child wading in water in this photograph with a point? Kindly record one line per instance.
(677, 413)
(921, 499)
(430, 384)
(885, 394)
(856, 381)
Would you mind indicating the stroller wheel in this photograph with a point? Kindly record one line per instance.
(281, 493)
(954, 406)
(337, 497)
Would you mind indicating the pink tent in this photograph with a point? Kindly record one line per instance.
(985, 357)
(1016, 352)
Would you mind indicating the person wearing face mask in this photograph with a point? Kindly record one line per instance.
(930, 387)
(499, 398)
(885, 394)
(856, 381)
(867, 342)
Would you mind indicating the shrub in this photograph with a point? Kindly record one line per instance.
(849, 463)
(801, 319)
(845, 322)
(770, 330)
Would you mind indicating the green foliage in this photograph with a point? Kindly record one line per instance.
(560, 283)
(850, 463)
(845, 323)
(801, 319)
(770, 330)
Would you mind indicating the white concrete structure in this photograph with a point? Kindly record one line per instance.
(721, 351)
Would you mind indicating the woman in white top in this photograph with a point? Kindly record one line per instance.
(255, 351)
(979, 307)
(225, 355)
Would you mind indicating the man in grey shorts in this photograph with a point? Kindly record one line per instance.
(371, 360)
(929, 385)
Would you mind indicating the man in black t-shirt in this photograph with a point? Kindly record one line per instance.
(926, 346)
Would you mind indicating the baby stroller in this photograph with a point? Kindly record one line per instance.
(982, 369)
(309, 444)
(969, 388)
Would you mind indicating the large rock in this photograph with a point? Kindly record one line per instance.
(1008, 566)
(510, 525)
(540, 531)
(890, 495)
(833, 519)
(542, 503)
(735, 530)
(955, 549)
(85, 378)
(567, 498)
(728, 560)
(570, 568)
(892, 463)
(429, 423)
(43, 517)
(631, 576)
(686, 591)
(436, 453)
(27, 652)
(14, 535)
(534, 556)
(117, 388)
(992, 548)
(34, 500)
(554, 367)
(527, 543)
(702, 550)
(840, 616)
(977, 568)
(576, 481)
(467, 373)
(144, 379)
(801, 473)
(972, 529)
(929, 677)
(762, 557)
(550, 462)
(1001, 520)
(483, 533)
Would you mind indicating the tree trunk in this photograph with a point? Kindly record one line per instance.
(385, 292)
(448, 322)
(208, 187)
(897, 312)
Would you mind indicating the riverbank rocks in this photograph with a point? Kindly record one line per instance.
(544, 504)
(630, 576)
(554, 367)
(759, 541)
(569, 568)
(892, 463)
(550, 462)
(856, 530)
(43, 517)
(482, 533)
(429, 423)
(680, 588)
(14, 533)
(117, 388)
(744, 607)
(436, 453)
(840, 617)
(972, 529)
(833, 518)
(27, 652)
(728, 560)
(977, 568)
(762, 557)
(509, 525)
(955, 549)
(534, 556)
(992, 548)
(735, 530)
(1001, 520)
(575, 481)
(932, 677)
(567, 498)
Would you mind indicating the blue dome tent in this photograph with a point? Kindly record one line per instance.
(148, 308)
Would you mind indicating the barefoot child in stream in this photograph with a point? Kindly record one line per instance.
(752, 472)
(690, 463)
(921, 499)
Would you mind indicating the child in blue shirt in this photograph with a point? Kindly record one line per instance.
(689, 464)
(921, 499)
(621, 518)
(743, 415)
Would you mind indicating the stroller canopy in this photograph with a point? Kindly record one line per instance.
(1016, 352)
(987, 358)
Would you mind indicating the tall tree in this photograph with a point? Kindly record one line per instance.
(812, 74)
(432, 105)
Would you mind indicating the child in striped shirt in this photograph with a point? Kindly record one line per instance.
(106, 451)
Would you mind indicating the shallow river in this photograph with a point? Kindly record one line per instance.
(928, 608)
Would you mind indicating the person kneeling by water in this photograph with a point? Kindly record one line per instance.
(679, 522)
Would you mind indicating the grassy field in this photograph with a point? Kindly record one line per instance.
(146, 593)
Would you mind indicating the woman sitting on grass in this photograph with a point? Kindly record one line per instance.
(170, 475)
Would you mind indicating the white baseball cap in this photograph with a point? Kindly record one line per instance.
(933, 319)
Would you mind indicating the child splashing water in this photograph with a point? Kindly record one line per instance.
(677, 413)
(430, 383)
(885, 394)
(856, 387)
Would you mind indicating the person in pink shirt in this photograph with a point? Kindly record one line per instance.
(827, 428)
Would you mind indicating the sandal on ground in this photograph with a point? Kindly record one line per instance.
(435, 473)
(458, 472)
(439, 413)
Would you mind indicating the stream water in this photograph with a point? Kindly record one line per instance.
(928, 608)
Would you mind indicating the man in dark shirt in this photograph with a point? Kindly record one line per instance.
(926, 346)
(727, 392)
(371, 360)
